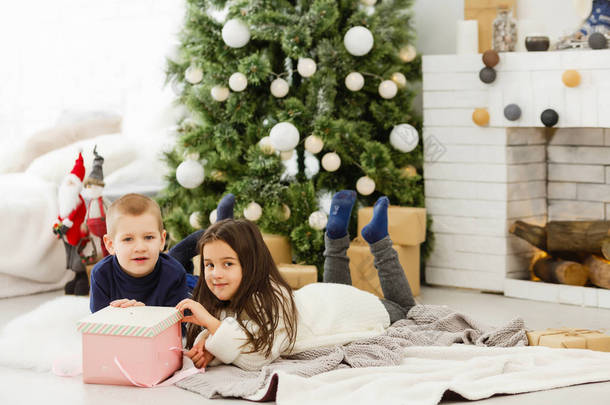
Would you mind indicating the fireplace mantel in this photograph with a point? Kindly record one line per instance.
(479, 180)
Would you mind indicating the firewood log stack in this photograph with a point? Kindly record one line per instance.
(577, 251)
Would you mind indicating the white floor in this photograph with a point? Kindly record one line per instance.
(28, 387)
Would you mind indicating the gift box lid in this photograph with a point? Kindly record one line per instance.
(406, 225)
(144, 321)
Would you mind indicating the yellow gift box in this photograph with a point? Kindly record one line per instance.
(363, 271)
(279, 246)
(298, 275)
(570, 339)
(406, 225)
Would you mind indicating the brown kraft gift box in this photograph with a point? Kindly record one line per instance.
(279, 246)
(364, 274)
(298, 275)
(570, 339)
(406, 225)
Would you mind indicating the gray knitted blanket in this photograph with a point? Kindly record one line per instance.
(426, 325)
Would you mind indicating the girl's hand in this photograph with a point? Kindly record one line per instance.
(200, 316)
(199, 355)
(125, 303)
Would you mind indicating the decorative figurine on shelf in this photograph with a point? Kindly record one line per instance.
(594, 32)
(504, 30)
(71, 228)
(97, 206)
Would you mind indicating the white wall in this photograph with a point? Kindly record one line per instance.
(81, 54)
(435, 21)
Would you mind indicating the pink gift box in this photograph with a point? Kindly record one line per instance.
(131, 346)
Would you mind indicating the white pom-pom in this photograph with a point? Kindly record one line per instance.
(235, 33)
(279, 88)
(194, 220)
(354, 81)
(253, 211)
(238, 81)
(365, 185)
(284, 136)
(313, 144)
(358, 40)
(190, 173)
(193, 74)
(318, 220)
(213, 216)
(331, 162)
(387, 89)
(306, 67)
(219, 93)
(404, 138)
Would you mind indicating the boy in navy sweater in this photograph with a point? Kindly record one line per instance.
(136, 272)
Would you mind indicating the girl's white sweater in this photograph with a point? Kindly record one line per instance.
(328, 314)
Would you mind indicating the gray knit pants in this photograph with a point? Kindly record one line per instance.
(398, 296)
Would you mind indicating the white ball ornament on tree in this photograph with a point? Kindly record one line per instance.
(358, 40)
(194, 220)
(306, 67)
(313, 144)
(404, 138)
(238, 81)
(284, 136)
(354, 81)
(213, 216)
(318, 220)
(387, 89)
(219, 93)
(279, 88)
(235, 33)
(407, 53)
(253, 211)
(190, 173)
(285, 212)
(365, 185)
(193, 74)
(399, 79)
(368, 2)
(266, 145)
(331, 161)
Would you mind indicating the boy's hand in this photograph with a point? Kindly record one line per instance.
(125, 303)
(199, 355)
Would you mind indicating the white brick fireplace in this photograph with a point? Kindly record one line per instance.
(479, 180)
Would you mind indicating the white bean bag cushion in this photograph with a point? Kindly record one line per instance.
(116, 149)
(28, 247)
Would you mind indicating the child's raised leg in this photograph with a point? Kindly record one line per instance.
(396, 290)
(336, 239)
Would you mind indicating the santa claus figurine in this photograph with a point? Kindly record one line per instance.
(71, 228)
(97, 205)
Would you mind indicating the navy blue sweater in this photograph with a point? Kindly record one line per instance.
(165, 286)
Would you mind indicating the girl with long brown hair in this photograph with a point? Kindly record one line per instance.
(244, 313)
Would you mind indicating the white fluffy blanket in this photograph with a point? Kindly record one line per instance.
(37, 339)
(428, 372)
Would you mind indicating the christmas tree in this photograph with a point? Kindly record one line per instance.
(276, 87)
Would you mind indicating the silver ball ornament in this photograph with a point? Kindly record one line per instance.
(253, 211)
(279, 88)
(318, 220)
(387, 89)
(365, 185)
(354, 81)
(358, 41)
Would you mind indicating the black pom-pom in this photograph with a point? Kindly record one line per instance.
(549, 117)
(487, 75)
(512, 112)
